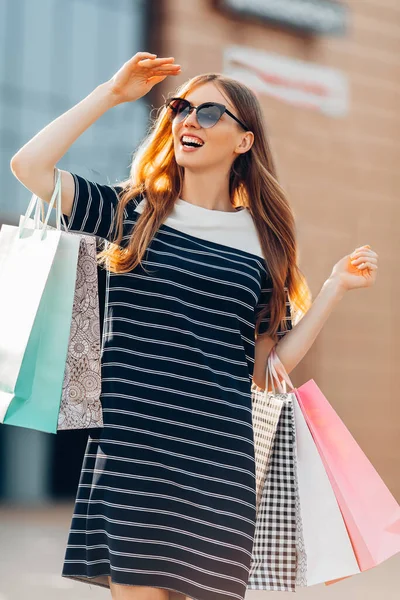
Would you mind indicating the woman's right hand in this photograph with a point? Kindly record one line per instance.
(139, 74)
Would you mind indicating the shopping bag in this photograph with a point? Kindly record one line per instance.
(266, 411)
(300, 536)
(26, 258)
(36, 399)
(327, 546)
(80, 403)
(80, 406)
(274, 562)
(371, 513)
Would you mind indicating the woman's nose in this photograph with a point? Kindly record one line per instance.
(191, 119)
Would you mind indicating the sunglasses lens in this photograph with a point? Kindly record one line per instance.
(208, 116)
(179, 109)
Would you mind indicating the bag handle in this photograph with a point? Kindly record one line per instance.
(39, 212)
(270, 375)
(38, 204)
(278, 373)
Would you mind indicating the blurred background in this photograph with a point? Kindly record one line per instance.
(328, 76)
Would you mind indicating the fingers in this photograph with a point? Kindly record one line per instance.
(147, 59)
(366, 265)
(139, 56)
(364, 258)
(165, 68)
(152, 66)
(366, 248)
(155, 62)
(363, 252)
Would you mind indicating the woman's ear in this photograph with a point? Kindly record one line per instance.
(245, 143)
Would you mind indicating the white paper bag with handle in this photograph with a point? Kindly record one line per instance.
(26, 258)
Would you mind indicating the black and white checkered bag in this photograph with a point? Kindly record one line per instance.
(278, 559)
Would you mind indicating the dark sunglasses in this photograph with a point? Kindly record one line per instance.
(208, 114)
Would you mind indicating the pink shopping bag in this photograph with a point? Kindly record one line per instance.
(371, 513)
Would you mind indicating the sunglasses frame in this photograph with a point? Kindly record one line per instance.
(222, 108)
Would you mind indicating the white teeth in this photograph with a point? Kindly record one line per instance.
(192, 140)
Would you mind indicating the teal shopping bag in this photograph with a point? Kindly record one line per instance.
(34, 400)
(38, 391)
(26, 258)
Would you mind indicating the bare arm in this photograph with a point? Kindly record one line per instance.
(34, 163)
(358, 270)
(295, 344)
(347, 274)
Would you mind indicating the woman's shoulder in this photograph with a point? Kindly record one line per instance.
(106, 192)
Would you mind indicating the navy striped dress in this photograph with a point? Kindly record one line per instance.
(166, 496)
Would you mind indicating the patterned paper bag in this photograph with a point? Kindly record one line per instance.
(80, 405)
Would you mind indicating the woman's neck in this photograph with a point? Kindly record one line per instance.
(209, 190)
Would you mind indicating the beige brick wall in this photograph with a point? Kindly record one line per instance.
(342, 176)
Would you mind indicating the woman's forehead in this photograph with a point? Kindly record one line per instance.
(207, 93)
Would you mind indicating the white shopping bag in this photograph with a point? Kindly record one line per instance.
(80, 406)
(328, 549)
(26, 258)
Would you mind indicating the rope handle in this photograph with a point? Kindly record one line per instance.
(38, 204)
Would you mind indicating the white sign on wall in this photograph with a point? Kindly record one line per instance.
(294, 81)
(313, 16)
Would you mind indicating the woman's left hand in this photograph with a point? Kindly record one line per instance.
(357, 270)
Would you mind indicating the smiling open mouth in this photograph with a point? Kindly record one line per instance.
(191, 142)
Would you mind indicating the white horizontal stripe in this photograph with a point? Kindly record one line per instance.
(176, 345)
(168, 482)
(147, 572)
(86, 562)
(157, 511)
(173, 438)
(212, 416)
(180, 392)
(247, 340)
(203, 382)
(259, 260)
(175, 329)
(181, 314)
(171, 282)
(163, 357)
(170, 313)
(165, 528)
(204, 264)
(176, 561)
(190, 426)
(237, 260)
(222, 282)
(162, 465)
(167, 497)
(161, 543)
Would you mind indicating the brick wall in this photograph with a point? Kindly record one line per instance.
(342, 176)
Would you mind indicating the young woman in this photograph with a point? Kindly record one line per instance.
(201, 260)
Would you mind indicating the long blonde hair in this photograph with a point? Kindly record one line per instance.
(253, 183)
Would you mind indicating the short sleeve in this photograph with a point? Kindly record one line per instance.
(264, 300)
(93, 208)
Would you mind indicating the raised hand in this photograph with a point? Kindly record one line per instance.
(357, 270)
(139, 74)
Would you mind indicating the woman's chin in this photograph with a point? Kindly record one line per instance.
(186, 160)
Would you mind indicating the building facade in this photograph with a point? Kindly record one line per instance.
(330, 100)
(54, 53)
